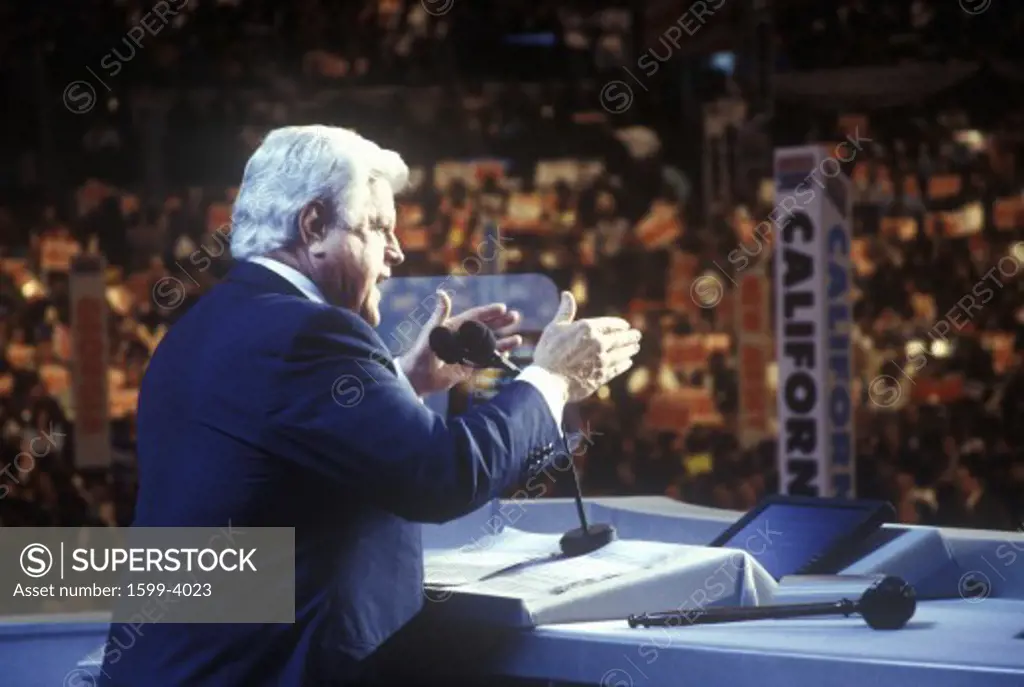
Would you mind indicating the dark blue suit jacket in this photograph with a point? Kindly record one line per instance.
(238, 424)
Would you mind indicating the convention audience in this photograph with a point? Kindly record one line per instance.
(606, 206)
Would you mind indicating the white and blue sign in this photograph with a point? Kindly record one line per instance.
(813, 324)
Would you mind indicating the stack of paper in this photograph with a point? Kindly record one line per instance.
(521, 579)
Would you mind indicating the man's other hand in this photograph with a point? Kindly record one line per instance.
(586, 353)
(426, 372)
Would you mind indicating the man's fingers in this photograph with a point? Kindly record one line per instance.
(605, 325)
(482, 313)
(501, 323)
(613, 368)
(509, 343)
(502, 319)
(616, 340)
(619, 354)
(618, 368)
(495, 316)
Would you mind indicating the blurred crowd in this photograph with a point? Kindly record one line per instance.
(608, 205)
(873, 32)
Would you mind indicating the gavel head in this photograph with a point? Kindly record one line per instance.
(888, 604)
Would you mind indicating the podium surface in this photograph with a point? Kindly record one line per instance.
(968, 629)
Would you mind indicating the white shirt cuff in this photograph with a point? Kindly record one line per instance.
(554, 389)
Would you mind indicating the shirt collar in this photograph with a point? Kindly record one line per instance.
(292, 276)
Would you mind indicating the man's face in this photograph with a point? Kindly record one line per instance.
(360, 258)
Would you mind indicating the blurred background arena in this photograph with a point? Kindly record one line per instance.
(623, 148)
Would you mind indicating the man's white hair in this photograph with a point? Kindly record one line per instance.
(296, 165)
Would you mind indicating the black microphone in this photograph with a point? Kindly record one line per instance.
(886, 605)
(474, 345)
(446, 346)
(480, 347)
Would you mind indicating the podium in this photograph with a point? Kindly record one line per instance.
(968, 629)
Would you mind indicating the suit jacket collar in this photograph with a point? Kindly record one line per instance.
(263, 279)
(298, 279)
(266, 280)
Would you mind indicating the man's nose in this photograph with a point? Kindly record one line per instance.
(393, 255)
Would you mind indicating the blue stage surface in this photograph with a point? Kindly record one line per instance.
(950, 642)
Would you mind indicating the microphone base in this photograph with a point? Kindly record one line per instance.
(579, 542)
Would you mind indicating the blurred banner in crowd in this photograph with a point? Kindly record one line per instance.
(89, 362)
(754, 353)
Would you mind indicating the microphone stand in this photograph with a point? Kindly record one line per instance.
(586, 538)
(578, 492)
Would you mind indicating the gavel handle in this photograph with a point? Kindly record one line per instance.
(711, 616)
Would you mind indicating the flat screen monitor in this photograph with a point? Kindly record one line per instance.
(793, 535)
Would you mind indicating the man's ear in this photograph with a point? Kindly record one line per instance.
(314, 222)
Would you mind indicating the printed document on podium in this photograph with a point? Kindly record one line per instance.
(518, 563)
(522, 579)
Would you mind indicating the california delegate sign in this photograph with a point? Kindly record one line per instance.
(813, 322)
